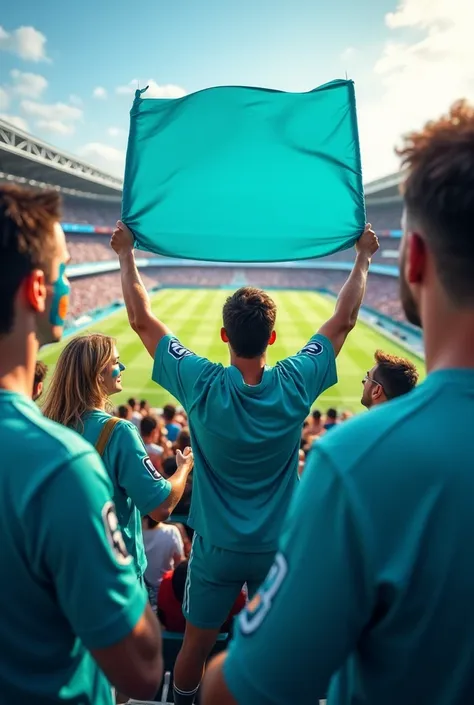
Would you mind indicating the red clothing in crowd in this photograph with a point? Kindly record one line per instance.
(170, 609)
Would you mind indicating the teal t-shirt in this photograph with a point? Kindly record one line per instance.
(138, 487)
(372, 587)
(68, 584)
(245, 438)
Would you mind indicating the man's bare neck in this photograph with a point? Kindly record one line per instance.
(251, 370)
(449, 343)
(17, 365)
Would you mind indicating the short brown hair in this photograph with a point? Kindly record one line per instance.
(26, 241)
(396, 375)
(439, 196)
(41, 370)
(249, 319)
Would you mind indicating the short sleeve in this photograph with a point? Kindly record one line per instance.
(135, 472)
(79, 545)
(177, 369)
(315, 600)
(314, 365)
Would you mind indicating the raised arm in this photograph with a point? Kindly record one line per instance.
(141, 317)
(350, 298)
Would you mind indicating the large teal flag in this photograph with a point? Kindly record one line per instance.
(245, 174)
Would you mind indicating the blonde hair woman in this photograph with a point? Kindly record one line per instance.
(87, 373)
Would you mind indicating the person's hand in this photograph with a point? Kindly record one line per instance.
(185, 459)
(368, 243)
(122, 239)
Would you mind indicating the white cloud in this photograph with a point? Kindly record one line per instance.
(26, 42)
(348, 54)
(29, 84)
(75, 100)
(154, 90)
(417, 79)
(56, 127)
(116, 132)
(15, 120)
(54, 111)
(104, 156)
(100, 93)
(4, 99)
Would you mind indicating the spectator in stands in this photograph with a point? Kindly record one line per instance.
(144, 408)
(172, 428)
(390, 377)
(41, 370)
(87, 373)
(245, 422)
(385, 610)
(346, 415)
(136, 417)
(149, 429)
(331, 420)
(73, 618)
(183, 440)
(301, 461)
(171, 596)
(184, 504)
(124, 412)
(164, 550)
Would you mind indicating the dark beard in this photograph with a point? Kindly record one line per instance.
(409, 304)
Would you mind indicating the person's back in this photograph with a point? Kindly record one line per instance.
(33, 624)
(393, 580)
(73, 612)
(245, 441)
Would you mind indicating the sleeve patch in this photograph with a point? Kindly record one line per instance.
(259, 606)
(114, 534)
(177, 350)
(312, 348)
(150, 468)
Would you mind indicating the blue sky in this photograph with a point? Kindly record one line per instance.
(66, 68)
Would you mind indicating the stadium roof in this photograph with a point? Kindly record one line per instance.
(384, 190)
(25, 159)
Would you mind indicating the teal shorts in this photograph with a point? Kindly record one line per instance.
(214, 581)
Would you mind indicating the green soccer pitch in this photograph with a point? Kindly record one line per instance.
(194, 316)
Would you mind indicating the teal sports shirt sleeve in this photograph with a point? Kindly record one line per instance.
(313, 368)
(136, 473)
(279, 654)
(96, 586)
(178, 369)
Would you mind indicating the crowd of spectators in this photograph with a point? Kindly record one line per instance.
(101, 290)
(88, 211)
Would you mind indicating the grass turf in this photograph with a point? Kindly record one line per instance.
(194, 316)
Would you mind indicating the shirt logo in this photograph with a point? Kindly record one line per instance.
(114, 534)
(177, 350)
(259, 606)
(150, 468)
(312, 348)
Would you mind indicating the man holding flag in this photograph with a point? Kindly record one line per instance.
(245, 422)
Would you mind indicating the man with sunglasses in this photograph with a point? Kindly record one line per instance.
(390, 377)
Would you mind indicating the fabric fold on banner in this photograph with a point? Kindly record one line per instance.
(235, 174)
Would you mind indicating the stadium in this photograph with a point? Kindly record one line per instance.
(189, 296)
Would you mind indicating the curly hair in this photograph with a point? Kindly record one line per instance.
(396, 375)
(439, 196)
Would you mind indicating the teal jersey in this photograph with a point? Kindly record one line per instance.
(68, 584)
(245, 438)
(372, 588)
(138, 488)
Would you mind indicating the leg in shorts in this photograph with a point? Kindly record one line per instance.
(216, 577)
